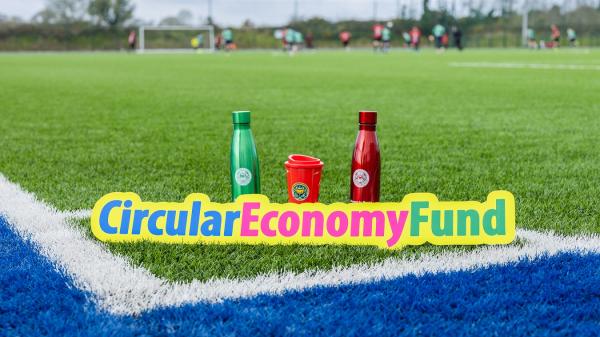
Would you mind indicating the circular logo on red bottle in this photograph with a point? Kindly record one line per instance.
(360, 178)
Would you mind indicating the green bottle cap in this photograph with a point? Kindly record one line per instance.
(241, 117)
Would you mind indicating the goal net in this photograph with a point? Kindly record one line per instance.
(176, 38)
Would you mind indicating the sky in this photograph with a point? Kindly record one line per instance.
(234, 12)
(261, 12)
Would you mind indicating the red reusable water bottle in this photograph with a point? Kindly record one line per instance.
(366, 163)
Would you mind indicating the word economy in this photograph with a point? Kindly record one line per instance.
(252, 219)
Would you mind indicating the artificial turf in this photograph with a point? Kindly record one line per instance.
(76, 126)
(548, 296)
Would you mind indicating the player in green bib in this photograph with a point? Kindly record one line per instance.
(438, 33)
(406, 38)
(531, 38)
(386, 38)
(290, 38)
(572, 36)
(228, 38)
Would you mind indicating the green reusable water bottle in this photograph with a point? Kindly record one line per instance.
(245, 177)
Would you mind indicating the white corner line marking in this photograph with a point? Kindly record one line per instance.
(123, 289)
(77, 214)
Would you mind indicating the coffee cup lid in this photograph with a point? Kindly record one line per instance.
(303, 161)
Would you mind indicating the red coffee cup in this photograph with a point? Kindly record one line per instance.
(303, 178)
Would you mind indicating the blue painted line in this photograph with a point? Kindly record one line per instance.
(551, 296)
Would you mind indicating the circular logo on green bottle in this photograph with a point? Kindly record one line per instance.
(243, 176)
(300, 191)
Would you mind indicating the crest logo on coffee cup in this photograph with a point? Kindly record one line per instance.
(300, 191)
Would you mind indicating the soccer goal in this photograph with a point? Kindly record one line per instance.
(176, 38)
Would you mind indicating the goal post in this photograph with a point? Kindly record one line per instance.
(208, 29)
(525, 23)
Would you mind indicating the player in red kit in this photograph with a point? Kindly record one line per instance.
(555, 36)
(345, 37)
(132, 39)
(445, 41)
(415, 37)
(377, 36)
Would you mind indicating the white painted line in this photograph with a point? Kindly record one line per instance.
(77, 214)
(525, 65)
(122, 288)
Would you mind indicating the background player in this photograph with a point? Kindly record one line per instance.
(377, 32)
(345, 37)
(415, 37)
(457, 34)
(386, 37)
(290, 38)
(194, 42)
(572, 36)
(228, 39)
(298, 41)
(131, 39)
(308, 40)
(197, 41)
(531, 43)
(555, 36)
(406, 38)
(438, 33)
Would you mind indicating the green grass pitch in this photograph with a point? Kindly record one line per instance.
(76, 126)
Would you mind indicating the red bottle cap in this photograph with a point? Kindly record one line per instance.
(367, 117)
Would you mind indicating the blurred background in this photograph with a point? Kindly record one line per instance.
(38, 25)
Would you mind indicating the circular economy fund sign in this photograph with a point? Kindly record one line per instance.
(252, 219)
